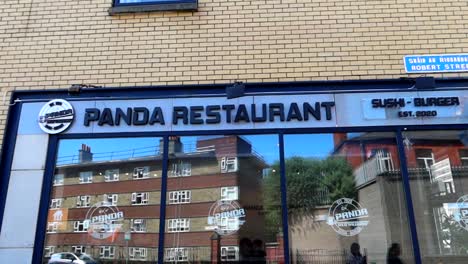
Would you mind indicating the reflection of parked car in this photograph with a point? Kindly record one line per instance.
(68, 257)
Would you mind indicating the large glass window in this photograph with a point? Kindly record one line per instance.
(222, 204)
(104, 205)
(346, 202)
(438, 173)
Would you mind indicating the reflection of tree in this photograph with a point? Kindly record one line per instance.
(310, 183)
(454, 236)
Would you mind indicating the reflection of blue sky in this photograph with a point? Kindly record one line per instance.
(267, 146)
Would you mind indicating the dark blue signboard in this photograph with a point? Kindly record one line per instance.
(436, 63)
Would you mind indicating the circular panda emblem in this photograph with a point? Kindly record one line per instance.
(56, 116)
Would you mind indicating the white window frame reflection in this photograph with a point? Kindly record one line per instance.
(56, 203)
(181, 169)
(107, 252)
(178, 225)
(83, 201)
(111, 199)
(140, 198)
(79, 249)
(86, 177)
(111, 175)
(180, 197)
(59, 179)
(229, 164)
(138, 225)
(141, 173)
(48, 251)
(138, 253)
(80, 227)
(176, 254)
(230, 193)
(229, 253)
(52, 227)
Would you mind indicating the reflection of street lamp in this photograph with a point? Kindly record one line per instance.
(216, 244)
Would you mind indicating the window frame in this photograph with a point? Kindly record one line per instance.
(77, 225)
(181, 197)
(114, 197)
(133, 224)
(172, 254)
(80, 203)
(178, 225)
(145, 173)
(89, 177)
(228, 190)
(141, 250)
(113, 177)
(144, 198)
(149, 6)
(104, 249)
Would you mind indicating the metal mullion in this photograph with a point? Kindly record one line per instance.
(409, 200)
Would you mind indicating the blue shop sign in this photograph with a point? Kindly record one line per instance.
(436, 63)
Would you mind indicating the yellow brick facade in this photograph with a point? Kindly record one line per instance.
(53, 44)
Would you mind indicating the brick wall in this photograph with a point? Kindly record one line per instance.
(53, 44)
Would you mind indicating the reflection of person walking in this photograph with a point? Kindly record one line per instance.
(356, 257)
(393, 256)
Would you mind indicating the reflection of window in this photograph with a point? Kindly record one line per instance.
(178, 197)
(229, 193)
(229, 253)
(141, 172)
(79, 249)
(48, 251)
(138, 225)
(424, 158)
(137, 253)
(181, 169)
(111, 175)
(176, 254)
(140, 198)
(56, 203)
(384, 159)
(79, 226)
(86, 177)
(229, 223)
(228, 164)
(83, 201)
(463, 156)
(52, 227)
(107, 252)
(58, 179)
(111, 199)
(179, 225)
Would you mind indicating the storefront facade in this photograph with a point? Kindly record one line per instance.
(279, 173)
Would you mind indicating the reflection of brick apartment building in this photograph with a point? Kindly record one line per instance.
(217, 168)
(437, 163)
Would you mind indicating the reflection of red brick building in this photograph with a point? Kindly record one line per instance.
(437, 163)
(215, 168)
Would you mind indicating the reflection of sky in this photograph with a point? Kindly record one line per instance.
(267, 146)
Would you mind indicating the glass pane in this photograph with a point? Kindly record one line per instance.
(104, 205)
(438, 166)
(345, 199)
(222, 200)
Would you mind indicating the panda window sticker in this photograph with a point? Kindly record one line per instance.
(56, 116)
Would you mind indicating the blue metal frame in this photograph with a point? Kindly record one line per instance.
(284, 200)
(162, 208)
(369, 86)
(409, 199)
(46, 193)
